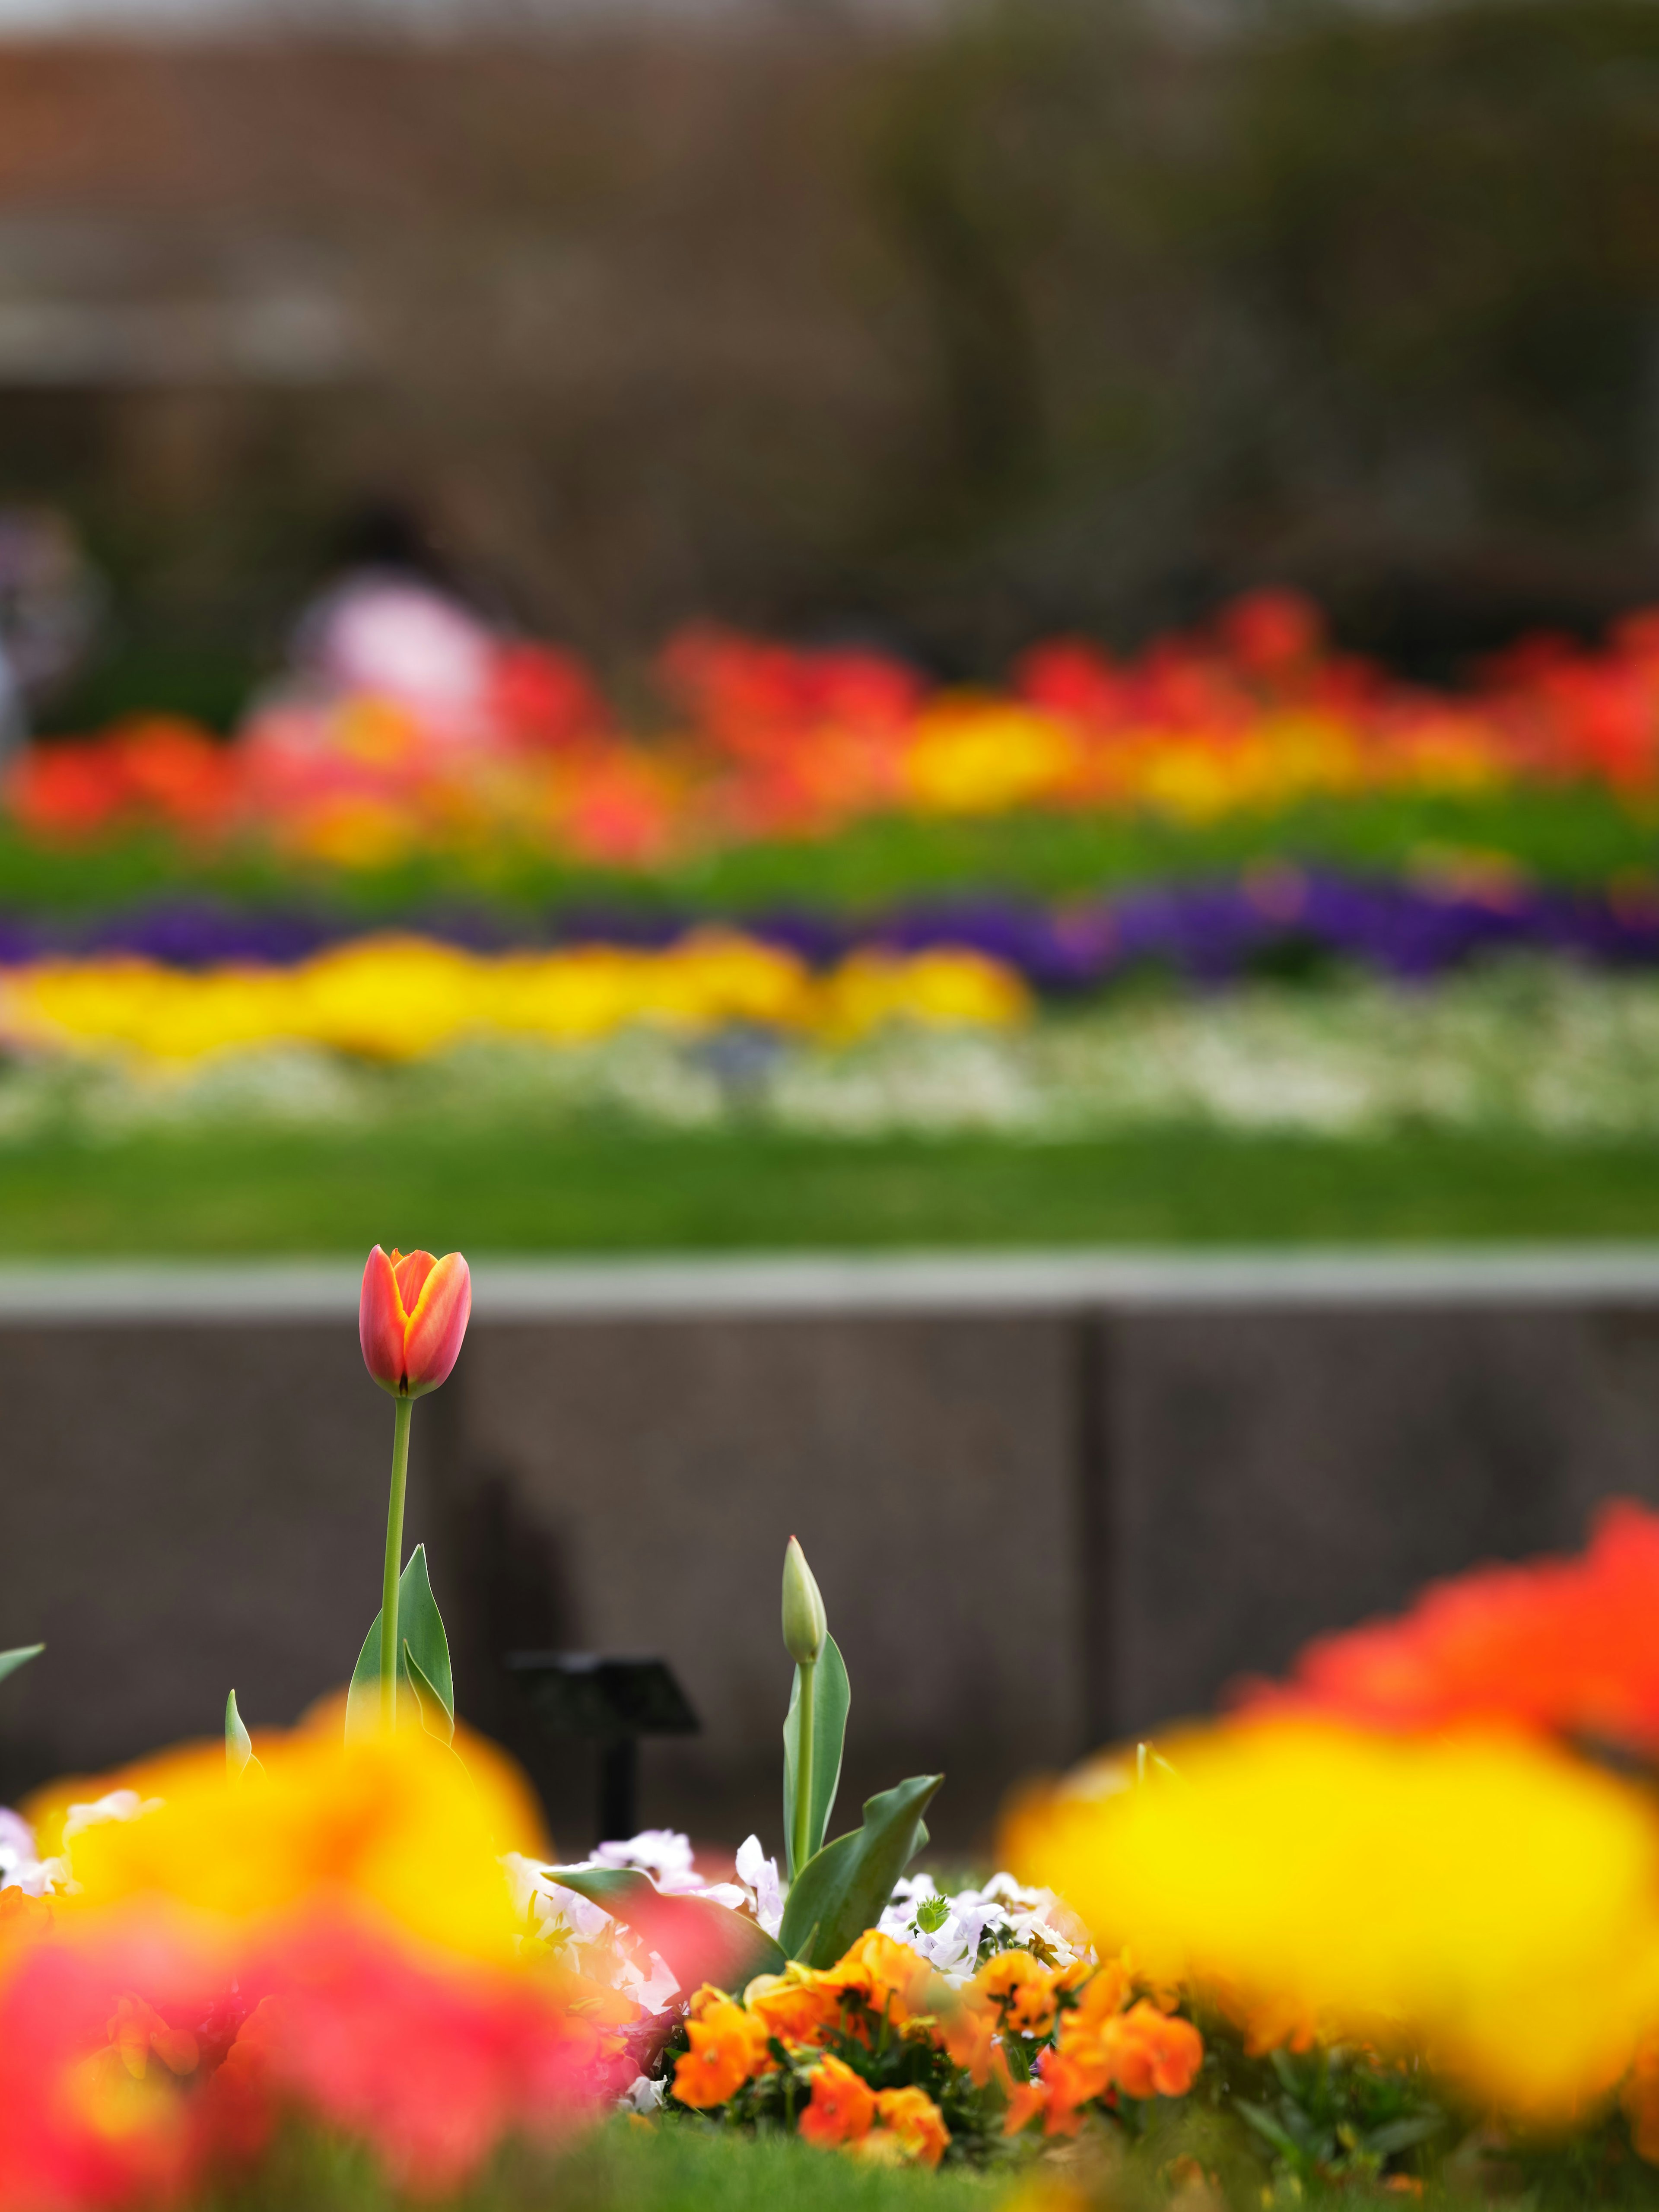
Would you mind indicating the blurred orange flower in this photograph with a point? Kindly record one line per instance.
(911, 2116)
(889, 1976)
(1101, 1996)
(728, 2048)
(1150, 2053)
(1021, 1989)
(795, 2006)
(967, 2030)
(1063, 2085)
(843, 2108)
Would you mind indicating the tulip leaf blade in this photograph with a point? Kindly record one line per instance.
(421, 1628)
(419, 1624)
(239, 1744)
(832, 1695)
(435, 1716)
(844, 1888)
(701, 1940)
(18, 1655)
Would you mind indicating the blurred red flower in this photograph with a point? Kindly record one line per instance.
(1565, 1646)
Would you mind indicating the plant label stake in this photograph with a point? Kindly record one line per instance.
(611, 1702)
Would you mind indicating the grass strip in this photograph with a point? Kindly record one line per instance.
(1580, 835)
(580, 1190)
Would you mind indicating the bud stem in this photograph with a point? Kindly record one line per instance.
(803, 1769)
(394, 1555)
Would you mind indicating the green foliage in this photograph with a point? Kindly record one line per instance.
(420, 1630)
(18, 1655)
(436, 1717)
(701, 1940)
(1416, 242)
(1580, 835)
(239, 1744)
(831, 1697)
(1332, 2114)
(844, 1888)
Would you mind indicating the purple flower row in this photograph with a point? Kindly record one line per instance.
(1207, 932)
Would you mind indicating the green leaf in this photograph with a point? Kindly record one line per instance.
(18, 1655)
(845, 1888)
(435, 1719)
(239, 1744)
(420, 1626)
(702, 1941)
(1394, 2135)
(1268, 2127)
(831, 1696)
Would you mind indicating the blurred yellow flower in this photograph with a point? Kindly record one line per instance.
(982, 756)
(1487, 1900)
(394, 1826)
(398, 997)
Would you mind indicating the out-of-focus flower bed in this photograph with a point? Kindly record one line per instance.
(180, 984)
(754, 741)
(820, 890)
(1522, 1050)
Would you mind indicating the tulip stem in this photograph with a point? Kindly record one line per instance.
(394, 1558)
(804, 1767)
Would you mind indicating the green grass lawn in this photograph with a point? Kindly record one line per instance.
(678, 2168)
(621, 2167)
(576, 1190)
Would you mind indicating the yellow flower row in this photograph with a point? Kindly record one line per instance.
(399, 998)
(984, 757)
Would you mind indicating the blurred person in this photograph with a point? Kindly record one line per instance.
(51, 605)
(393, 626)
(397, 667)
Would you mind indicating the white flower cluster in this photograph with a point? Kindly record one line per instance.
(666, 1857)
(954, 1930)
(597, 1946)
(1528, 1045)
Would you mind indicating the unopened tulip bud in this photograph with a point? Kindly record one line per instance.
(804, 1626)
(411, 1317)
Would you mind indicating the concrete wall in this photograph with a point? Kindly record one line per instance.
(1048, 1503)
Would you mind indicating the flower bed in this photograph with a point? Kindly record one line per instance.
(747, 1044)
(1252, 715)
(1394, 1923)
(823, 893)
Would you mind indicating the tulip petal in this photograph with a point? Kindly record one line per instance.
(433, 1341)
(380, 1322)
(411, 1270)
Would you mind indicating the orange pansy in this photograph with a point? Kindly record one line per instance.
(915, 2119)
(727, 2049)
(842, 2107)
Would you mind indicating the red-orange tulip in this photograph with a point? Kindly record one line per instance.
(411, 1318)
